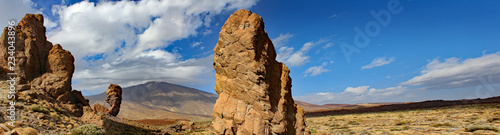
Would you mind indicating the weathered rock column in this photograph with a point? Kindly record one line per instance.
(254, 89)
(44, 71)
(114, 98)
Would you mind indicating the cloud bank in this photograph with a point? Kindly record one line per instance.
(351, 95)
(124, 42)
(472, 74)
(454, 73)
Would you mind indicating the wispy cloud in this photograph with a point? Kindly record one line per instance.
(282, 39)
(454, 73)
(290, 58)
(328, 45)
(195, 44)
(361, 94)
(380, 61)
(317, 70)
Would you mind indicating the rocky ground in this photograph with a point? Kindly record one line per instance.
(34, 117)
(455, 120)
(460, 120)
(33, 113)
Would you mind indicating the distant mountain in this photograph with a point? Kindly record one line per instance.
(314, 107)
(160, 100)
(385, 107)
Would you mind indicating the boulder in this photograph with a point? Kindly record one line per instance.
(254, 89)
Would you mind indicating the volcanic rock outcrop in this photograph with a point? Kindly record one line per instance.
(254, 89)
(114, 98)
(44, 71)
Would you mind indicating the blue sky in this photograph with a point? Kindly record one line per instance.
(426, 50)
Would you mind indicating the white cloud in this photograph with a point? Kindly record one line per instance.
(297, 59)
(454, 73)
(128, 37)
(195, 44)
(316, 70)
(480, 75)
(307, 46)
(352, 95)
(290, 58)
(328, 45)
(357, 90)
(48, 23)
(380, 61)
(281, 40)
(284, 53)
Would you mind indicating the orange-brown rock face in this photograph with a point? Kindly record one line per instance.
(44, 71)
(32, 48)
(99, 108)
(254, 89)
(114, 98)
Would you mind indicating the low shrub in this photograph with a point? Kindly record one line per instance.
(441, 125)
(402, 123)
(87, 129)
(494, 119)
(352, 123)
(38, 108)
(481, 127)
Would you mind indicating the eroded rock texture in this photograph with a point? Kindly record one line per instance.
(114, 98)
(44, 71)
(254, 89)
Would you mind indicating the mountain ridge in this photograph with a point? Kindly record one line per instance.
(155, 97)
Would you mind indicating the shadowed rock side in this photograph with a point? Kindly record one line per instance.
(114, 98)
(254, 89)
(43, 71)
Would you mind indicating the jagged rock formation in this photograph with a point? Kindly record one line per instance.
(99, 108)
(254, 89)
(114, 98)
(44, 71)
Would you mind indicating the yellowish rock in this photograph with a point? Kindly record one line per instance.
(26, 131)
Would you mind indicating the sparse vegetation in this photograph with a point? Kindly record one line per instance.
(55, 116)
(447, 124)
(402, 123)
(38, 108)
(87, 129)
(399, 128)
(493, 119)
(353, 123)
(481, 127)
(445, 120)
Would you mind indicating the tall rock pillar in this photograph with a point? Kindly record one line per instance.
(254, 89)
